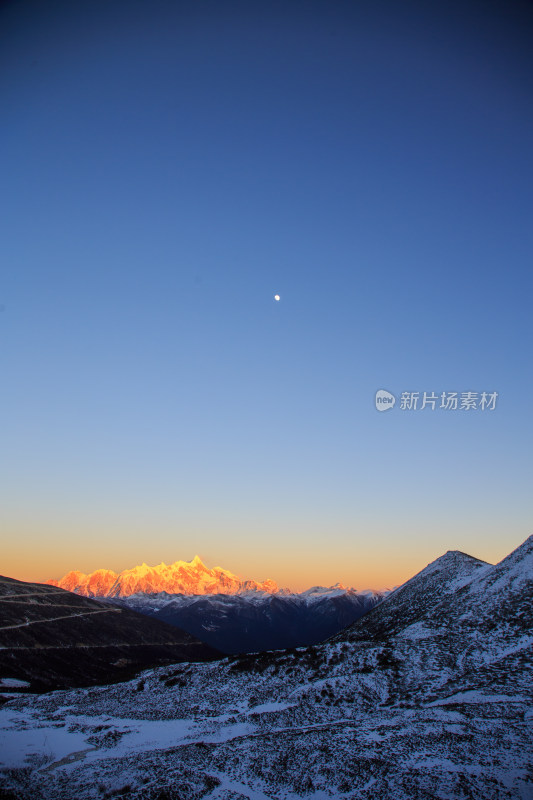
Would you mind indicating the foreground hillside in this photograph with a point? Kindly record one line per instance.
(52, 638)
(426, 696)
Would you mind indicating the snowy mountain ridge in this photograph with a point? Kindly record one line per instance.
(182, 577)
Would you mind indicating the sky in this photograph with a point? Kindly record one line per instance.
(167, 168)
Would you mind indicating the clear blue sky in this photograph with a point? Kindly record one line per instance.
(167, 167)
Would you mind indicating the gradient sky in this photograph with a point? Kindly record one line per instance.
(166, 168)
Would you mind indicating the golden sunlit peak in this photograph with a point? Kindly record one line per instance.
(183, 577)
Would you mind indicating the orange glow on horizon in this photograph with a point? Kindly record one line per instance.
(375, 577)
(297, 562)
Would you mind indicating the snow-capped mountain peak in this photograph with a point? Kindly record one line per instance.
(182, 577)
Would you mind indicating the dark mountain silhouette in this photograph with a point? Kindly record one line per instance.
(54, 638)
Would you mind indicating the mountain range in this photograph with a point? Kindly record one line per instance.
(182, 577)
(428, 695)
(228, 613)
(254, 621)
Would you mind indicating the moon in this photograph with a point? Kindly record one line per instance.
(277, 298)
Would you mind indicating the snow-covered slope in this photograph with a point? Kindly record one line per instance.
(439, 707)
(422, 593)
(185, 577)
